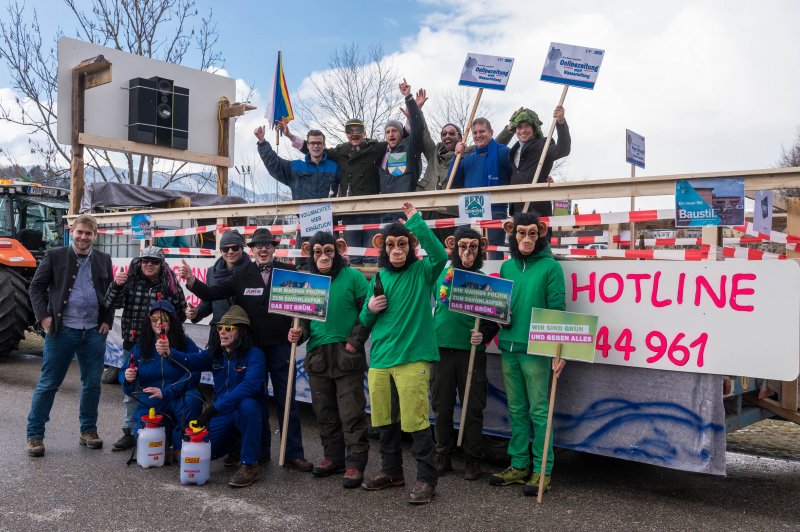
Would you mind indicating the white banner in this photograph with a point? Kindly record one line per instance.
(486, 71)
(634, 148)
(316, 217)
(577, 66)
(762, 214)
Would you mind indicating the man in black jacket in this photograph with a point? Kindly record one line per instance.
(68, 297)
(525, 153)
(249, 286)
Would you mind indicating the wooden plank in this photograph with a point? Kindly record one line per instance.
(95, 79)
(159, 152)
(789, 390)
(223, 136)
(76, 177)
(236, 109)
(775, 408)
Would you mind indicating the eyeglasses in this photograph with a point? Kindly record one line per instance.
(226, 328)
(316, 143)
(228, 249)
(269, 245)
(155, 262)
(159, 318)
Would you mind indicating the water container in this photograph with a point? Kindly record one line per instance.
(151, 441)
(195, 456)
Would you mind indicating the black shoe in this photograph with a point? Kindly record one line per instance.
(231, 459)
(380, 480)
(300, 464)
(327, 468)
(472, 471)
(443, 463)
(246, 475)
(127, 441)
(352, 478)
(422, 493)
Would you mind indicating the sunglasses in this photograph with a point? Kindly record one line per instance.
(227, 249)
(262, 246)
(157, 319)
(354, 130)
(226, 328)
(151, 261)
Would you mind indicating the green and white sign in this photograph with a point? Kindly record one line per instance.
(475, 206)
(575, 332)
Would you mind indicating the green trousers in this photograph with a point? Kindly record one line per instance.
(526, 378)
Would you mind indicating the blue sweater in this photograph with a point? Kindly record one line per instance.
(471, 172)
(234, 378)
(306, 179)
(160, 372)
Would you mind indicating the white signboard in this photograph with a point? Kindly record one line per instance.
(475, 206)
(762, 214)
(106, 108)
(316, 217)
(577, 66)
(199, 268)
(486, 71)
(634, 148)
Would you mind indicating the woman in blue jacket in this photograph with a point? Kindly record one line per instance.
(157, 379)
(239, 373)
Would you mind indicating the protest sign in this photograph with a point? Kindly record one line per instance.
(562, 207)
(706, 202)
(482, 296)
(486, 71)
(634, 148)
(141, 227)
(575, 332)
(316, 217)
(576, 66)
(475, 206)
(299, 294)
(762, 214)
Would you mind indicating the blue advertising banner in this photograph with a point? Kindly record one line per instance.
(707, 202)
(577, 66)
(141, 227)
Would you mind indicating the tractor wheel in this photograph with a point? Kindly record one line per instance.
(15, 311)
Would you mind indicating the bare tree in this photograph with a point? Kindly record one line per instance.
(791, 157)
(453, 107)
(356, 85)
(161, 29)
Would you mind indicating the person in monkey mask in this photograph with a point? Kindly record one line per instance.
(455, 336)
(403, 348)
(335, 362)
(538, 283)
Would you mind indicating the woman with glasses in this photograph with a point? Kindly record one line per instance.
(157, 380)
(147, 279)
(235, 417)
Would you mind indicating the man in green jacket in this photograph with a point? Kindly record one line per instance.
(403, 348)
(538, 283)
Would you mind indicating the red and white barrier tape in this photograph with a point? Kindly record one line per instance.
(792, 242)
(749, 254)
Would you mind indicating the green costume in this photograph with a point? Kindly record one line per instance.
(538, 283)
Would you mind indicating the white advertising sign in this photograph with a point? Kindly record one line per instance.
(577, 66)
(762, 214)
(199, 269)
(475, 206)
(316, 217)
(486, 71)
(634, 148)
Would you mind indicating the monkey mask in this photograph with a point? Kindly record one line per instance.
(466, 248)
(326, 253)
(526, 235)
(397, 247)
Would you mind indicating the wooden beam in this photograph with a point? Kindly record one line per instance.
(789, 399)
(775, 408)
(235, 109)
(428, 200)
(159, 152)
(223, 139)
(76, 169)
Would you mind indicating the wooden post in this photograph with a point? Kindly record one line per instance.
(467, 132)
(222, 148)
(556, 361)
(289, 395)
(546, 147)
(789, 390)
(712, 237)
(613, 234)
(467, 388)
(633, 206)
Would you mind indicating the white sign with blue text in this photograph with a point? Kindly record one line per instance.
(486, 71)
(577, 66)
(316, 217)
(634, 148)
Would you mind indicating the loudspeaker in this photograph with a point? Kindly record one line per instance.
(158, 112)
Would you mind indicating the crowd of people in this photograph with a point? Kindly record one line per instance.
(418, 350)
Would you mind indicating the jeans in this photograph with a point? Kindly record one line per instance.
(245, 424)
(361, 239)
(89, 346)
(421, 449)
(277, 358)
(177, 414)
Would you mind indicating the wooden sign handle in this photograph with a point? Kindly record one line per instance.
(467, 388)
(289, 395)
(467, 131)
(549, 424)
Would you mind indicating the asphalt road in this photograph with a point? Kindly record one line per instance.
(74, 488)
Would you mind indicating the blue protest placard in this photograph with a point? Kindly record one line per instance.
(299, 294)
(706, 202)
(141, 227)
(634, 148)
(482, 296)
(577, 66)
(486, 71)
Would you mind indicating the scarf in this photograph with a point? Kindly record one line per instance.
(222, 272)
(491, 165)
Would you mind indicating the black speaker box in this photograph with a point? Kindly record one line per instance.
(158, 112)
(142, 111)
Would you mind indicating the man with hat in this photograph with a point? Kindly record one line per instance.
(527, 151)
(249, 286)
(146, 280)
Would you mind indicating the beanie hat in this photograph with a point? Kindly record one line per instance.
(529, 116)
(231, 238)
(395, 124)
(235, 316)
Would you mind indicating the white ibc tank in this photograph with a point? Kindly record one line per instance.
(195, 456)
(151, 442)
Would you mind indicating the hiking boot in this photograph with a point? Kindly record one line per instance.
(443, 463)
(422, 493)
(379, 480)
(300, 464)
(327, 468)
(472, 471)
(127, 441)
(246, 475)
(231, 459)
(91, 440)
(35, 447)
(531, 488)
(511, 475)
(352, 478)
